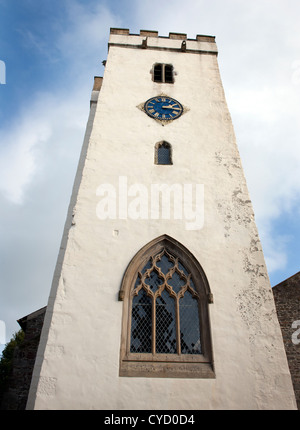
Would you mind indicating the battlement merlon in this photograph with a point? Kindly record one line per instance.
(148, 39)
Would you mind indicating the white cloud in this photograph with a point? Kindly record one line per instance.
(27, 140)
(87, 29)
(18, 154)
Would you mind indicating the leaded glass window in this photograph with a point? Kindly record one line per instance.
(165, 309)
(141, 327)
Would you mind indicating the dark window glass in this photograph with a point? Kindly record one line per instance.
(189, 325)
(141, 323)
(154, 281)
(165, 324)
(176, 282)
(165, 264)
(163, 73)
(158, 73)
(164, 154)
(168, 74)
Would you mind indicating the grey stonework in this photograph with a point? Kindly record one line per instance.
(15, 398)
(287, 300)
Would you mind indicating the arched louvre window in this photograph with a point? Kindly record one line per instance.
(166, 330)
(165, 289)
(163, 154)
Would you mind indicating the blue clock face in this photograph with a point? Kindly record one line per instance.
(163, 108)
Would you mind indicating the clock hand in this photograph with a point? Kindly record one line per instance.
(170, 107)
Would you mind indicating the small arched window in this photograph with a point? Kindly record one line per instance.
(165, 316)
(163, 153)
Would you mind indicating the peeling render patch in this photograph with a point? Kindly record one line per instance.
(253, 301)
(240, 211)
(254, 269)
(250, 304)
(239, 200)
(230, 163)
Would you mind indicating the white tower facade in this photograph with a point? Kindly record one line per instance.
(160, 298)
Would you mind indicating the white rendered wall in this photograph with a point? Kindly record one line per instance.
(78, 360)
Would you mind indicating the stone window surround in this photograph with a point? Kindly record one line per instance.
(164, 68)
(166, 365)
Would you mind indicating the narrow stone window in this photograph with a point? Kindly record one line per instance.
(163, 153)
(166, 329)
(163, 73)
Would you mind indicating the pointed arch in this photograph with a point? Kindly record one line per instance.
(165, 241)
(166, 328)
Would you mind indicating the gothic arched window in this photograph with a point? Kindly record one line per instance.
(165, 316)
(163, 153)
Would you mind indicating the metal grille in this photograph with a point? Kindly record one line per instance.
(189, 325)
(165, 324)
(141, 323)
(163, 154)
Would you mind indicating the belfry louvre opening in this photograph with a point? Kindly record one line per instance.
(163, 73)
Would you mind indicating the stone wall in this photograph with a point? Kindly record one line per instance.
(15, 398)
(287, 300)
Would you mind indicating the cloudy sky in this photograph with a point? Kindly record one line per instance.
(50, 51)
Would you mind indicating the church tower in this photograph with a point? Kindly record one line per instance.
(160, 297)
